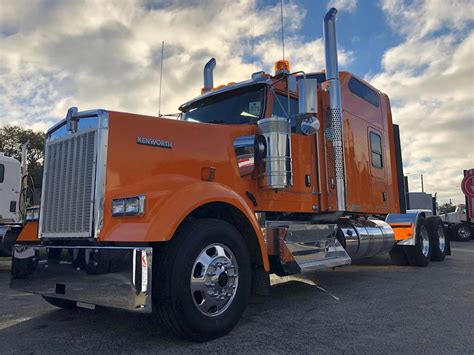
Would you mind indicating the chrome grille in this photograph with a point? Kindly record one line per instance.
(68, 189)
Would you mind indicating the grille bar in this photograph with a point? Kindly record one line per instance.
(69, 181)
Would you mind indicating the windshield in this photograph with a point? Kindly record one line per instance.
(239, 106)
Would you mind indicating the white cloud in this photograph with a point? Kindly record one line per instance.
(308, 56)
(343, 5)
(93, 53)
(422, 17)
(430, 80)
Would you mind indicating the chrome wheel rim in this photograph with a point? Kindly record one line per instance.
(441, 239)
(464, 232)
(214, 279)
(425, 241)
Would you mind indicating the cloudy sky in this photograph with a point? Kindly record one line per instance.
(106, 54)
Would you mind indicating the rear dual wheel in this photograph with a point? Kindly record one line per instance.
(420, 253)
(439, 242)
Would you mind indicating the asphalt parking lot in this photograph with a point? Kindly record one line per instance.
(371, 307)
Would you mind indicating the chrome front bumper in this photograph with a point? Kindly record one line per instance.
(106, 276)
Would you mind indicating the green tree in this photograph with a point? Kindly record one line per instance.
(11, 139)
(446, 208)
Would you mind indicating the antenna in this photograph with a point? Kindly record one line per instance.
(161, 78)
(253, 46)
(282, 29)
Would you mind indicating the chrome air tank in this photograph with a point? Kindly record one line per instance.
(275, 170)
(366, 238)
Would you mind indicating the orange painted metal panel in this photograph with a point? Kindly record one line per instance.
(369, 190)
(403, 231)
(171, 178)
(29, 233)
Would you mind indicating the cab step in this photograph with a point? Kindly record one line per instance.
(297, 248)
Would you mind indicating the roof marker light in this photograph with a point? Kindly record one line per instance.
(282, 66)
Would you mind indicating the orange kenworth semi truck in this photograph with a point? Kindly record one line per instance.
(186, 218)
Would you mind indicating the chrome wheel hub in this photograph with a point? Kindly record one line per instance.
(464, 232)
(441, 239)
(214, 279)
(425, 241)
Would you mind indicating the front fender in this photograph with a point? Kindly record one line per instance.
(180, 204)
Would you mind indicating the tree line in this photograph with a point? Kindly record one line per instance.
(11, 139)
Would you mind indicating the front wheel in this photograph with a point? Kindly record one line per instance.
(203, 280)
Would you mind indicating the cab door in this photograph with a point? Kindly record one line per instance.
(301, 196)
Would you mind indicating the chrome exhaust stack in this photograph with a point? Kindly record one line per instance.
(209, 75)
(335, 105)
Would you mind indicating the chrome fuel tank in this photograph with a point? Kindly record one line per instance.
(366, 238)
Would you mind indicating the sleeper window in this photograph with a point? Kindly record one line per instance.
(364, 92)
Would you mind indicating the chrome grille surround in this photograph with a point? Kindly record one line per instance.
(74, 178)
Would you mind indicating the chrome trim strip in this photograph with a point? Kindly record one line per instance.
(101, 170)
(40, 229)
(119, 277)
(82, 114)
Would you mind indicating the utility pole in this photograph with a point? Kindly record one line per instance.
(422, 187)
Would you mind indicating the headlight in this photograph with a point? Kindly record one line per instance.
(32, 213)
(129, 206)
(118, 207)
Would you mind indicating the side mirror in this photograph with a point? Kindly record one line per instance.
(308, 106)
(310, 125)
(307, 96)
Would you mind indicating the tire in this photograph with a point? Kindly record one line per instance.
(60, 303)
(438, 238)
(398, 255)
(462, 232)
(420, 253)
(200, 248)
(8, 240)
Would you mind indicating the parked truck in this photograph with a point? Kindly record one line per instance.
(281, 174)
(460, 226)
(15, 199)
(10, 181)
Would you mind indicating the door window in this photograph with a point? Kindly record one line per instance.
(280, 108)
